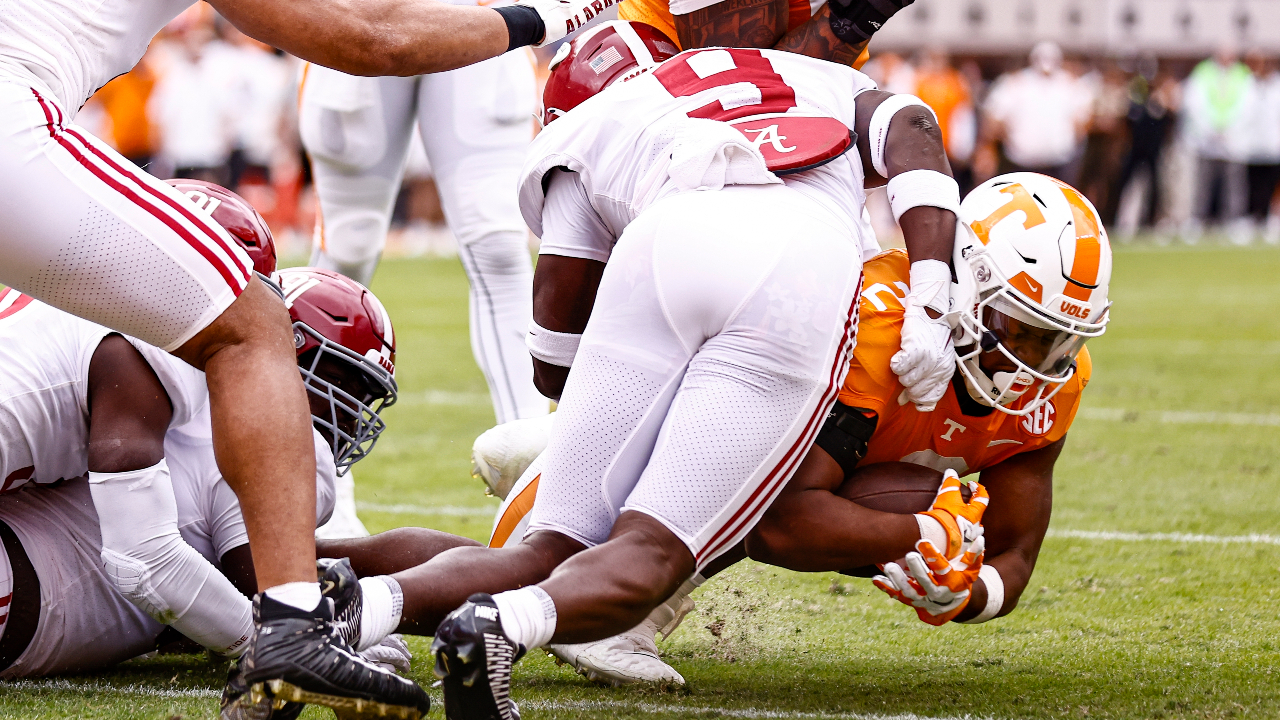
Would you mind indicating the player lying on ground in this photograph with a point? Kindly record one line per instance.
(719, 330)
(86, 231)
(1034, 279)
(68, 613)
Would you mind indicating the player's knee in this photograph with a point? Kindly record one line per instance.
(354, 236)
(771, 543)
(257, 319)
(132, 578)
(651, 562)
(504, 252)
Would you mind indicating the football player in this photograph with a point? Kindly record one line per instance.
(720, 326)
(1034, 276)
(475, 123)
(89, 587)
(85, 230)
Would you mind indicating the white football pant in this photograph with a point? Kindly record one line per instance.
(720, 336)
(86, 231)
(475, 125)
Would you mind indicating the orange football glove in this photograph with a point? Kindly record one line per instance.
(937, 588)
(961, 520)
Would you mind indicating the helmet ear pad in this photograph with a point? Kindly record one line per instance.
(607, 53)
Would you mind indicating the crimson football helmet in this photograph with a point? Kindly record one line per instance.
(599, 57)
(347, 354)
(235, 214)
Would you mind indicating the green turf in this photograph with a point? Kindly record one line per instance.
(1108, 628)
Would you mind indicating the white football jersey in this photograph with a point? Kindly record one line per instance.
(620, 142)
(70, 48)
(44, 377)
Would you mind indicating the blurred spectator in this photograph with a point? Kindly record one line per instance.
(1152, 101)
(891, 72)
(1264, 151)
(124, 103)
(1107, 139)
(945, 90)
(191, 107)
(260, 90)
(1215, 120)
(1039, 114)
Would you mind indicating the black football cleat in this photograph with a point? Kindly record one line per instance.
(339, 583)
(473, 661)
(298, 656)
(239, 704)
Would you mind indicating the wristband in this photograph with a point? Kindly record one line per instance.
(878, 128)
(855, 21)
(931, 285)
(524, 26)
(995, 595)
(917, 188)
(554, 348)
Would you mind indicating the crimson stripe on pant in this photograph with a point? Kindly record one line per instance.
(783, 470)
(237, 284)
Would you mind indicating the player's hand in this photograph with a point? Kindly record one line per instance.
(560, 17)
(962, 521)
(937, 588)
(391, 654)
(927, 359)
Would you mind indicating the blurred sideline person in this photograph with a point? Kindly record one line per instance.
(1006, 414)
(1216, 123)
(760, 276)
(475, 123)
(1264, 150)
(1039, 114)
(86, 231)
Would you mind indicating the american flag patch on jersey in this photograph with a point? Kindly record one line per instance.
(605, 60)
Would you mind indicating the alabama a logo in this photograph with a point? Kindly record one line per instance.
(1040, 421)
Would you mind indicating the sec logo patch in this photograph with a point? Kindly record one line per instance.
(1041, 421)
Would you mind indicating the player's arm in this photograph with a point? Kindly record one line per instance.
(575, 246)
(142, 550)
(810, 528)
(816, 39)
(1021, 490)
(900, 141)
(564, 291)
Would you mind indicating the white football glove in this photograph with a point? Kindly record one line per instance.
(927, 359)
(560, 17)
(391, 654)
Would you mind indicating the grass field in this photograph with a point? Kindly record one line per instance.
(1156, 595)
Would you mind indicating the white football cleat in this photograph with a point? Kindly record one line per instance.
(343, 523)
(391, 654)
(622, 659)
(502, 453)
(633, 656)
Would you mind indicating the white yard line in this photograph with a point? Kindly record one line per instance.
(656, 709)
(406, 509)
(1111, 535)
(1174, 417)
(95, 686)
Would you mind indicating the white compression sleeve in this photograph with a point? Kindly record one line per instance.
(990, 577)
(150, 564)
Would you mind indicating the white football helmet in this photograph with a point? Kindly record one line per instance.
(1033, 265)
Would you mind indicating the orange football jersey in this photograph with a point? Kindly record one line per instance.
(946, 437)
(658, 14)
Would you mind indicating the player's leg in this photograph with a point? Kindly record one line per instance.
(356, 131)
(86, 231)
(476, 123)
(748, 407)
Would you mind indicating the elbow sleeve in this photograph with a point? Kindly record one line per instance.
(155, 569)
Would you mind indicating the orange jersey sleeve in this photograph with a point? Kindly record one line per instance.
(946, 437)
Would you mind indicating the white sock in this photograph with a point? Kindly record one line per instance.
(301, 595)
(528, 616)
(380, 609)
